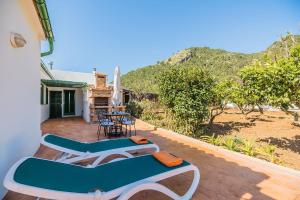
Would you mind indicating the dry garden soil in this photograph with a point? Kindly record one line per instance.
(273, 127)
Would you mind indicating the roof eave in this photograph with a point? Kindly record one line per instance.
(46, 70)
(61, 83)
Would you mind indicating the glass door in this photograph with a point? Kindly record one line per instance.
(69, 102)
(55, 104)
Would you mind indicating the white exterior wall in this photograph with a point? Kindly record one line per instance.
(78, 102)
(45, 108)
(86, 105)
(45, 112)
(20, 88)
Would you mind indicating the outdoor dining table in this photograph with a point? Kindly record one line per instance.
(115, 114)
(116, 117)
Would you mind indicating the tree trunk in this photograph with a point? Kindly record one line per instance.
(294, 113)
(250, 111)
(296, 116)
(261, 110)
(213, 116)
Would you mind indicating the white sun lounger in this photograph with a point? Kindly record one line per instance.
(124, 178)
(75, 151)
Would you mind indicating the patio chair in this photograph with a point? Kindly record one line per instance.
(74, 151)
(129, 121)
(116, 130)
(104, 122)
(124, 178)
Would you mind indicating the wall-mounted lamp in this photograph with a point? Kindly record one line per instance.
(17, 40)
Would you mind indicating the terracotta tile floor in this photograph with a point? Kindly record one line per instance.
(222, 177)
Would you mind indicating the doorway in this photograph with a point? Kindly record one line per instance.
(55, 104)
(69, 102)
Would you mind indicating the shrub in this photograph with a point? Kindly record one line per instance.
(230, 143)
(248, 148)
(149, 115)
(268, 153)
(215, 140)
(146, 110)
(134, 108)
(187, 91)
(269, 149)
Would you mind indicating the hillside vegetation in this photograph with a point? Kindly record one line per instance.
(220, 63)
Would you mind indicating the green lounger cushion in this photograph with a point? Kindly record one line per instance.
(90, 147)
(72, 178)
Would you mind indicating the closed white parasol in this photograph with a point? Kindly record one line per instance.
(116, 98)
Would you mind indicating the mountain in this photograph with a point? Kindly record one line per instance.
(280, 48)
(222, 64)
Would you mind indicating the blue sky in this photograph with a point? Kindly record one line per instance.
(136, 33)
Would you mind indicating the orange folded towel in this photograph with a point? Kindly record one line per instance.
(139, 139)
(167, 159)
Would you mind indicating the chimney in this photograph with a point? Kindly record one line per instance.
(51, 64)
(94, 76)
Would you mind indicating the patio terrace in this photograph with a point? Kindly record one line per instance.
(224, 175)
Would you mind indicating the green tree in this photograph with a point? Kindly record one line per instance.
(255, 87)
(221, 96)
(275, 83)
(284, 82)
(187, 92)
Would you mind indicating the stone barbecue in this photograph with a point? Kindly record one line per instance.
(100, 96)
